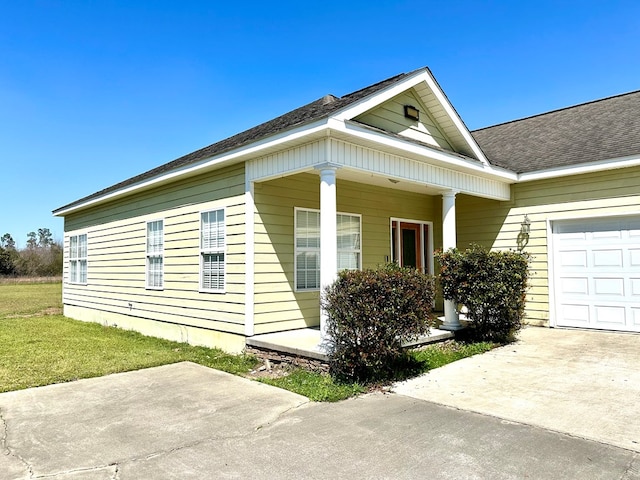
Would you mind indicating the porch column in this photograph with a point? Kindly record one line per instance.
(328, 235)
(451, 321)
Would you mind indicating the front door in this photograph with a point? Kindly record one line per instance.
(410, 244)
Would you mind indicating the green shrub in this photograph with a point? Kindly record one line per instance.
(491, 285)
(370, 314)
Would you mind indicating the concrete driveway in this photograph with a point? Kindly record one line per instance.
(583, 383)
(186, 421)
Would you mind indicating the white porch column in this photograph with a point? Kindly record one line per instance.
(451, 321)
(249, 252)
(328, 235)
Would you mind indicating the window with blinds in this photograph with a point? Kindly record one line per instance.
(155, 254)
(212, 251)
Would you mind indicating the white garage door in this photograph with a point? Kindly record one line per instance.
(596, 270)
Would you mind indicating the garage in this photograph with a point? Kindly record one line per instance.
(596, 273)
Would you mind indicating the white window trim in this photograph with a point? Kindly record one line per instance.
(297, 249)
(79, 259)
(426, 256)
(155, 255)
(204, 252)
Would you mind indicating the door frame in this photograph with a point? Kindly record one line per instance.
(426, 251)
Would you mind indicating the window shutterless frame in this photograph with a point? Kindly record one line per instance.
(213, 251)
(78, 259)
(155, 255)
(307, 246)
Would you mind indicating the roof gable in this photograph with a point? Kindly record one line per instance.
(601, 130)
(390, 116)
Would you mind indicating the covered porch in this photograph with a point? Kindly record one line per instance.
(381, 193)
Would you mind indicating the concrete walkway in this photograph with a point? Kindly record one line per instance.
(185, 421)
(583, 383)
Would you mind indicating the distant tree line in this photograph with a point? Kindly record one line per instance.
(42, 257)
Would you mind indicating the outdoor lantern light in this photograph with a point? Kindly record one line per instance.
(525, 225)
(411, 112)
(523, 236)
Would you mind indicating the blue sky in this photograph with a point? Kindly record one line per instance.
(94, 92)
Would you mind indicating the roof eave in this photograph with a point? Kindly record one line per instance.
(296, 135)
(598, 166)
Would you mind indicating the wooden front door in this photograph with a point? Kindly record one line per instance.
(410, 244)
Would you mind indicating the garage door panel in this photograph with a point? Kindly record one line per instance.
(575, 285)
(607, 258)
(608, 286)
(608, 315)
(573, 258)
(596, 270)
(577, 315)
(606, 234)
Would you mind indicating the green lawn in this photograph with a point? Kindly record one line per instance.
(40, 349)
(38, 346)
(20, 299)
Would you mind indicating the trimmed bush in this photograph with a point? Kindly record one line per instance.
(491, 285)
(370, 314)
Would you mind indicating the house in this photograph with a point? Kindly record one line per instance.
(236, 239)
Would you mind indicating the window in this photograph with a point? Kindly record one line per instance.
(155, 254)
(212, 243)
(78, 259)
(307, 243)
(307, 249)
(348, 242)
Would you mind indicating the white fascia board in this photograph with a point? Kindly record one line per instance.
(449, 159)
(455, 118)
(622, 162)
(252, 149)
(382, 96)
(387, 94)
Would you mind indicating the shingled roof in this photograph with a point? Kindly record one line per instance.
(599, 130)
(314, 111)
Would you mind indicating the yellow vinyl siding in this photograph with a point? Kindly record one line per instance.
(497, 224)
(219, 184)
(390, 117)
(116, 256)
(277, 305)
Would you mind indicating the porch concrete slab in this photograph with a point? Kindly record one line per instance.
(584, 383)
(307, 342)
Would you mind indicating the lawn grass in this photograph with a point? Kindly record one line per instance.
(38, 346)
(440, 354)
(318, 387)
(21, 299)
(42, 350)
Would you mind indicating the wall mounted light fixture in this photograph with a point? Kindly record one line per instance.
(523, 235)
(411, 112)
